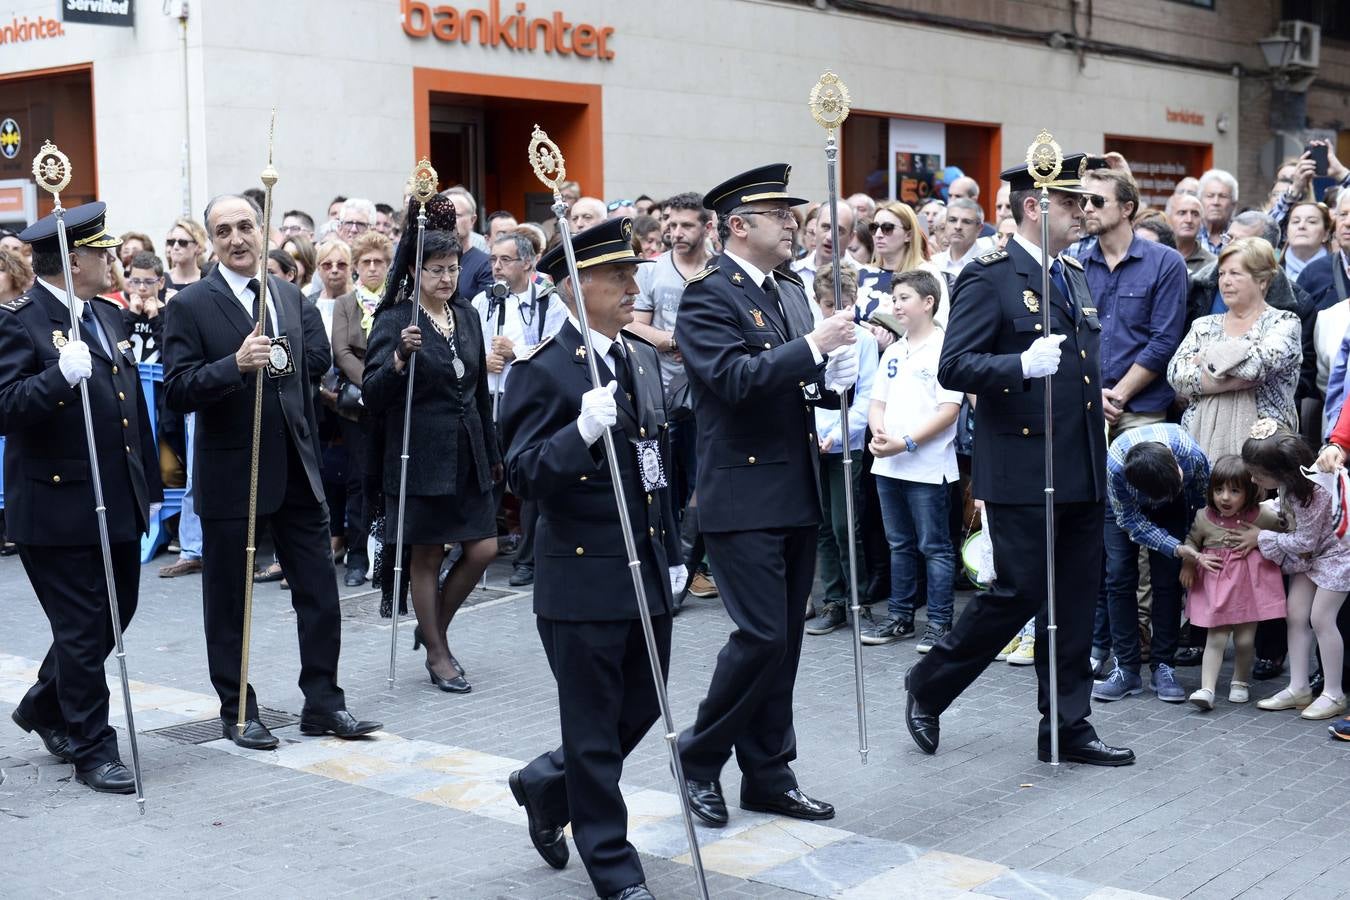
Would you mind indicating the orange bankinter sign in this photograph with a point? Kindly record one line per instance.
(515, 32)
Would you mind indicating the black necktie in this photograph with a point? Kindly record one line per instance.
(620, 367)
(90, 326)
(771, 290)
(257, 298)
(1061, 282)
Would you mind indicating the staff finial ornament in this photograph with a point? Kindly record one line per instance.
(1045, 160)
(547, 161)
(830, 102)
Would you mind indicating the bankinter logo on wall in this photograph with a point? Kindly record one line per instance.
(515, 32)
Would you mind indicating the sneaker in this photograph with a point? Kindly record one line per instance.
(831, 617)
(1009, 648)
(1163, 682)
(1324, 707)
(896, 628)
(1238, 692)
(1203, 698)
(702, 585)
(1118, 685)
(931, 636)
(1025, 654)
(1340, 729)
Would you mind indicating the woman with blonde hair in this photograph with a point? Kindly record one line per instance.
(898, 245)
(185, 249)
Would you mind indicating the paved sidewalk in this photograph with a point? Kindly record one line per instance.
(1236, 802)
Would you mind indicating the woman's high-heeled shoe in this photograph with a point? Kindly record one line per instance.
(417, 637)
(456, 685)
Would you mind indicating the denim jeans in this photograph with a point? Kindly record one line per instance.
(832, 544)
(915, 516)
(1118, 604)
(189, 526)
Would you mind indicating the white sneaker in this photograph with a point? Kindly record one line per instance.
(1237, 692)
(1009, 649)
(1025, 654)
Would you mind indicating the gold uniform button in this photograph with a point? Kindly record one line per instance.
(767, 345)
(56, 479)
(581, 551)
(1083, 354)
(1026, 431)
(114, 370)
(649, 499)
(642, 432)
(1089, 404)
(125, 423)
(121, 396)
(584, 477)
(801, 384)
(1087, 380)
(60, 403)
(1038, 326)
(128, 449)
(750, 460)
(651, 531)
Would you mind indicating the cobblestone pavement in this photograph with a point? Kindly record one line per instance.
(1231, 803)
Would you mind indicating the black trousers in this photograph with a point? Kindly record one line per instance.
(300, 532)
(764, 578)
(606, 704)
(529, 517)
(1018, 593)
(357, 506)
(71, 693)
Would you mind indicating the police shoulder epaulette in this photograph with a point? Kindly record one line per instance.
(1073, 261)
(790, 276)
(637, 338)
(699, 276)
(990, 258)
(526, 355)
(112, 303)
(17, 303)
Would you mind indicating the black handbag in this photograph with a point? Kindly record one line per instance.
(349, 402)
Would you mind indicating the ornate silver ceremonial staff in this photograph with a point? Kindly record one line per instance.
(423, 183)
(1045, 161)
(829, 107)
(51, 168)
(269, 179)
(547, 162)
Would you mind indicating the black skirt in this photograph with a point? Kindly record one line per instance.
(469, 514)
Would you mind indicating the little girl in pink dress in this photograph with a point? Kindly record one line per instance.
(1230, 591)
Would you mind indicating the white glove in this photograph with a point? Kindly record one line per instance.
(75, 362)
(1042, 357)
(841, 370)
(679, 577)
(598, 412)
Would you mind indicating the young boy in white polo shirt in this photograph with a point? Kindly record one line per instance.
(913, 422)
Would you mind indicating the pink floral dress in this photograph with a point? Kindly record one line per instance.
(1247, 588)
(1311, 547)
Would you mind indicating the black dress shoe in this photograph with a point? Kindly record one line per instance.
(793, 804)
(1188, 656)
(456, 685)
(109, 778)
(923, 726)
(57, 743)
(521, 576)
(1267, 668)
(632, 892)
(354, 577)
(548, 839)
(339, 722)
(1093, 753)
(706, 801)
(255, 735)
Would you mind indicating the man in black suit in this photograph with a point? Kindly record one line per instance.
(50, 508)
(552, 422)
(995, 349)
(212, 355)
(756, 369)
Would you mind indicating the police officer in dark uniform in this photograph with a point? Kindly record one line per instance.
(756, 369)
(995, 349)
(552, 421)
(49, 494)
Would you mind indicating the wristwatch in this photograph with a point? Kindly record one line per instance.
(910, 445)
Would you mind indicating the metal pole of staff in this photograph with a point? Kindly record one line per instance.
(1044, 156)
(51, 168)
(829, 107)
(423, 189)
(547, 161)
(497, 295)
(269, 179)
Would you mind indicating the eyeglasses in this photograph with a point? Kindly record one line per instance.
(353, 225)
(439, 272)
(782, 214)
(142, 282)
(615, 204)
(293, 229)
(329, 266)
(503, 259)
(1096, 200)
(886, 228)
(179, 242)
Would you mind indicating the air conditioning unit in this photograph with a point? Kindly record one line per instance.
(1307, 42)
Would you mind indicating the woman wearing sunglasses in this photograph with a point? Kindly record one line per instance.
(898, 245)
(183, 247)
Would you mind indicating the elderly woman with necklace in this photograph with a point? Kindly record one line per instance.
(453, 457)
(1241, 365)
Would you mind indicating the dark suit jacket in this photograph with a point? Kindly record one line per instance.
(748, 369)
(581, 564)
(204, 326)
(475, 273)
(992, 322)
(441, 404)
(349, 340)
(49, 492)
